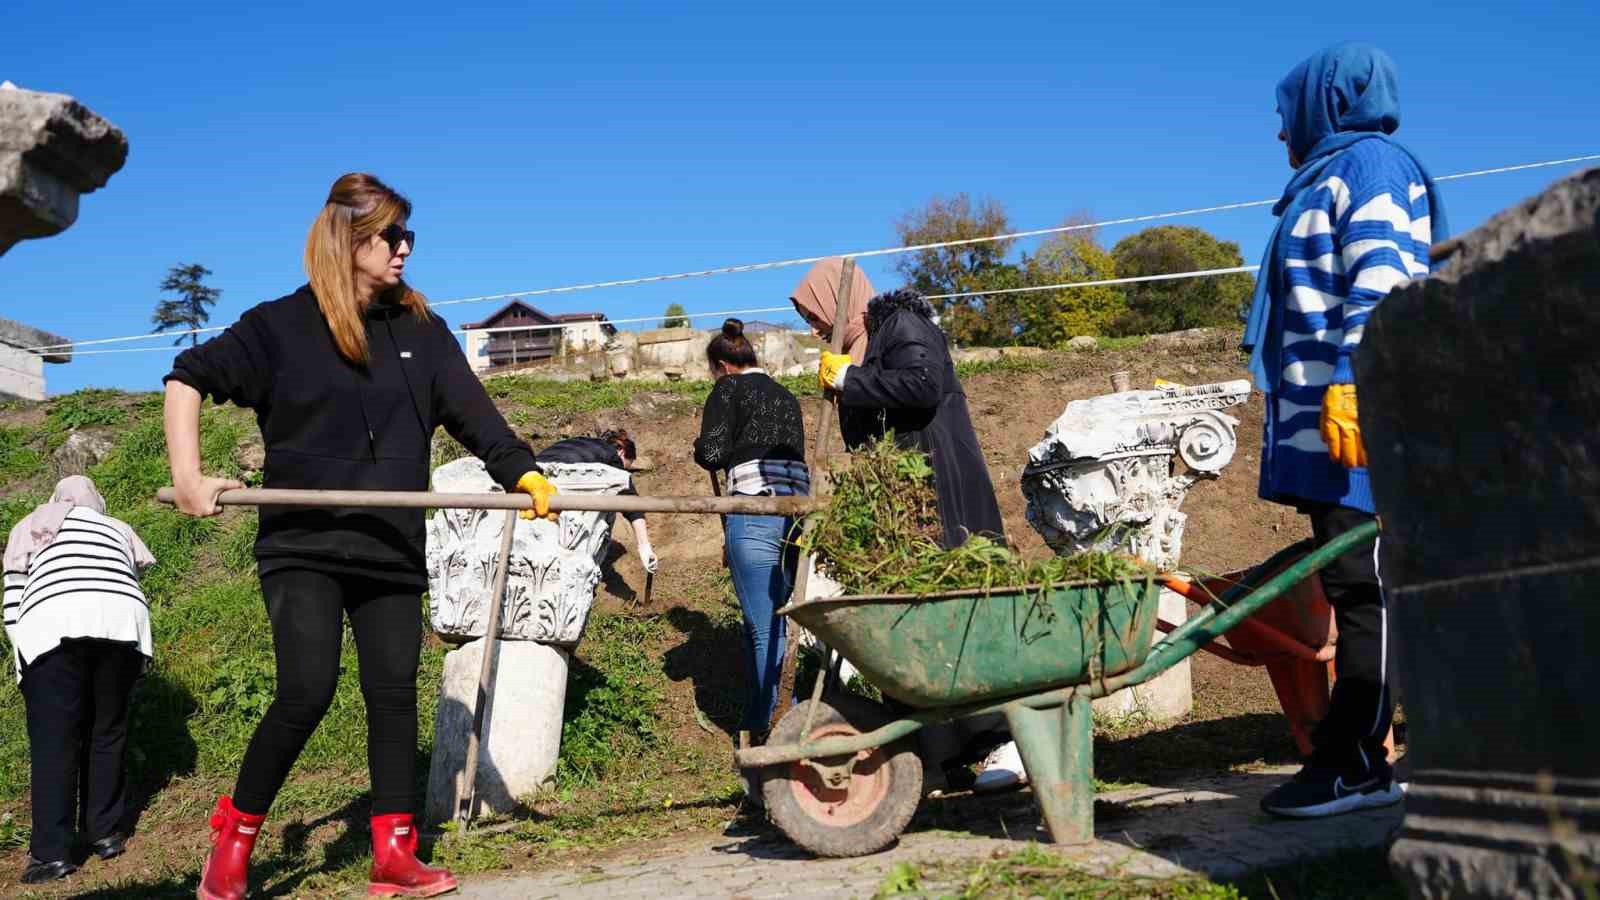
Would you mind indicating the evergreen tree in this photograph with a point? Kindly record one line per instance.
(190, 310)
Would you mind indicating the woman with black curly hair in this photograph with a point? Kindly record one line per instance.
(904, 381)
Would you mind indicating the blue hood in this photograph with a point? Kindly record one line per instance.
(1345, 88)
(1339, 97)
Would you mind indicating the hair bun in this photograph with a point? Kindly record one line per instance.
(733, 328)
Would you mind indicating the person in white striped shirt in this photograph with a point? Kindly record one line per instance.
(79, 627)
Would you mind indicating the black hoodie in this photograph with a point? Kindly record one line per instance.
(328, 423)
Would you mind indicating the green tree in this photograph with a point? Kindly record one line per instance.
(675, 317)
(191, 308)
(1051, 318)
(962, 268)
(1160, 306)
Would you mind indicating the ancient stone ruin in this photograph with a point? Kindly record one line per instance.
(52, 150)
(1108, 476)
(1104, 475)
(1480, 398)
(555, 569)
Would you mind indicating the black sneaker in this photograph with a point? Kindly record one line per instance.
(1317, 792)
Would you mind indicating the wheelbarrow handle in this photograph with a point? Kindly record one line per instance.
(1219, 616)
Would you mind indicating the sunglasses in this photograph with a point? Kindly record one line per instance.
(394, 235)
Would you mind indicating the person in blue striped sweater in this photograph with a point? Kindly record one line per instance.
(1355, 221)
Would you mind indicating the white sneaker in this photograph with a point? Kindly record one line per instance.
(1001, 769)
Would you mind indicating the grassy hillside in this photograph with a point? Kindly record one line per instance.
(654, 690)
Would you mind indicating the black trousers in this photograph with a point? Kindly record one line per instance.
(1362, 706)
(77, 701)
(307, 609)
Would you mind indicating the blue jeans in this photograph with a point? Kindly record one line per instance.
(763, 565)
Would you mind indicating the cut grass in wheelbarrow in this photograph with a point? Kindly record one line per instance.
(960, 633)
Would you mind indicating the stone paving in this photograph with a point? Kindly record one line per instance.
(1210, 825)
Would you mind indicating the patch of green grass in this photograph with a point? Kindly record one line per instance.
(19, 459)
(13, 508)
(612, 698)
(238, 542)
(1128, 342)
(1034, 872)
(585, 396)
(88, 408)
(1006, 364)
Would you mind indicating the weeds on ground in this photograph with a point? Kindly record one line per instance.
(1034, 872)
(1003, 364)
(880, 533)
(18, 459)
(88, 408)
(613, 699)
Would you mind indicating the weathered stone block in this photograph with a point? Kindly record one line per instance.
(21, 374)
(1480, 403)
(52, 149)
(1167, 696)
(521, 738)
(81, 451)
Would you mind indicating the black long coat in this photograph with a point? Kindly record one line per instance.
(907, 383)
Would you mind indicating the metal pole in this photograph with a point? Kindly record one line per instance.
(740, 505)
(464, 801)
(819, 470)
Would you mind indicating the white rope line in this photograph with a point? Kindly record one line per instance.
(1198, 273)
(859, 254)
(1538, 165)
(462, 331)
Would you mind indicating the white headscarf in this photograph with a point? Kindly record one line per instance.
(38, 529)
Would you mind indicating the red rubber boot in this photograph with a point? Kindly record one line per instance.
(396, 871)
(233, 836)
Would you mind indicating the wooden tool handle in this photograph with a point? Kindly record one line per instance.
(735, 505)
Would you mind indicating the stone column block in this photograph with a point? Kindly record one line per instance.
(1480, 403)
(1107, 476)
(52, 149)
(522, 726)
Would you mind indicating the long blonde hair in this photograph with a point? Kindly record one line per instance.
(358, 207)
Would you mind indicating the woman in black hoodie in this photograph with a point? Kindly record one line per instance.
(349, 376)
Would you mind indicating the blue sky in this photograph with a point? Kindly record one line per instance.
(548, 147)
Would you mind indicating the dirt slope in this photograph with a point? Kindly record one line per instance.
(1228, 525)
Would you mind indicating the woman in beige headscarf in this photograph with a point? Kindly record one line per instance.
(816, 298)
(899, 378)
(79, 627)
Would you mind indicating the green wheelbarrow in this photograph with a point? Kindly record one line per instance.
(840, 774)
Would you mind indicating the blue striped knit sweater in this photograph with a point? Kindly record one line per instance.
(1366, 231)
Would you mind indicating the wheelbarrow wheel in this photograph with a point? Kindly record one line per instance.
(866, 815)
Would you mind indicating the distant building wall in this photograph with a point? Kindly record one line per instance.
(22, 372)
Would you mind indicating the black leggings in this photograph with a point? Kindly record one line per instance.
(307, 609)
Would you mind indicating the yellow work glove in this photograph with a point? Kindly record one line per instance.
(831, 369)
(1341, 426)
(541, 490)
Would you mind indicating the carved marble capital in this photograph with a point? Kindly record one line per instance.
(555, 566)
(1108, 474)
